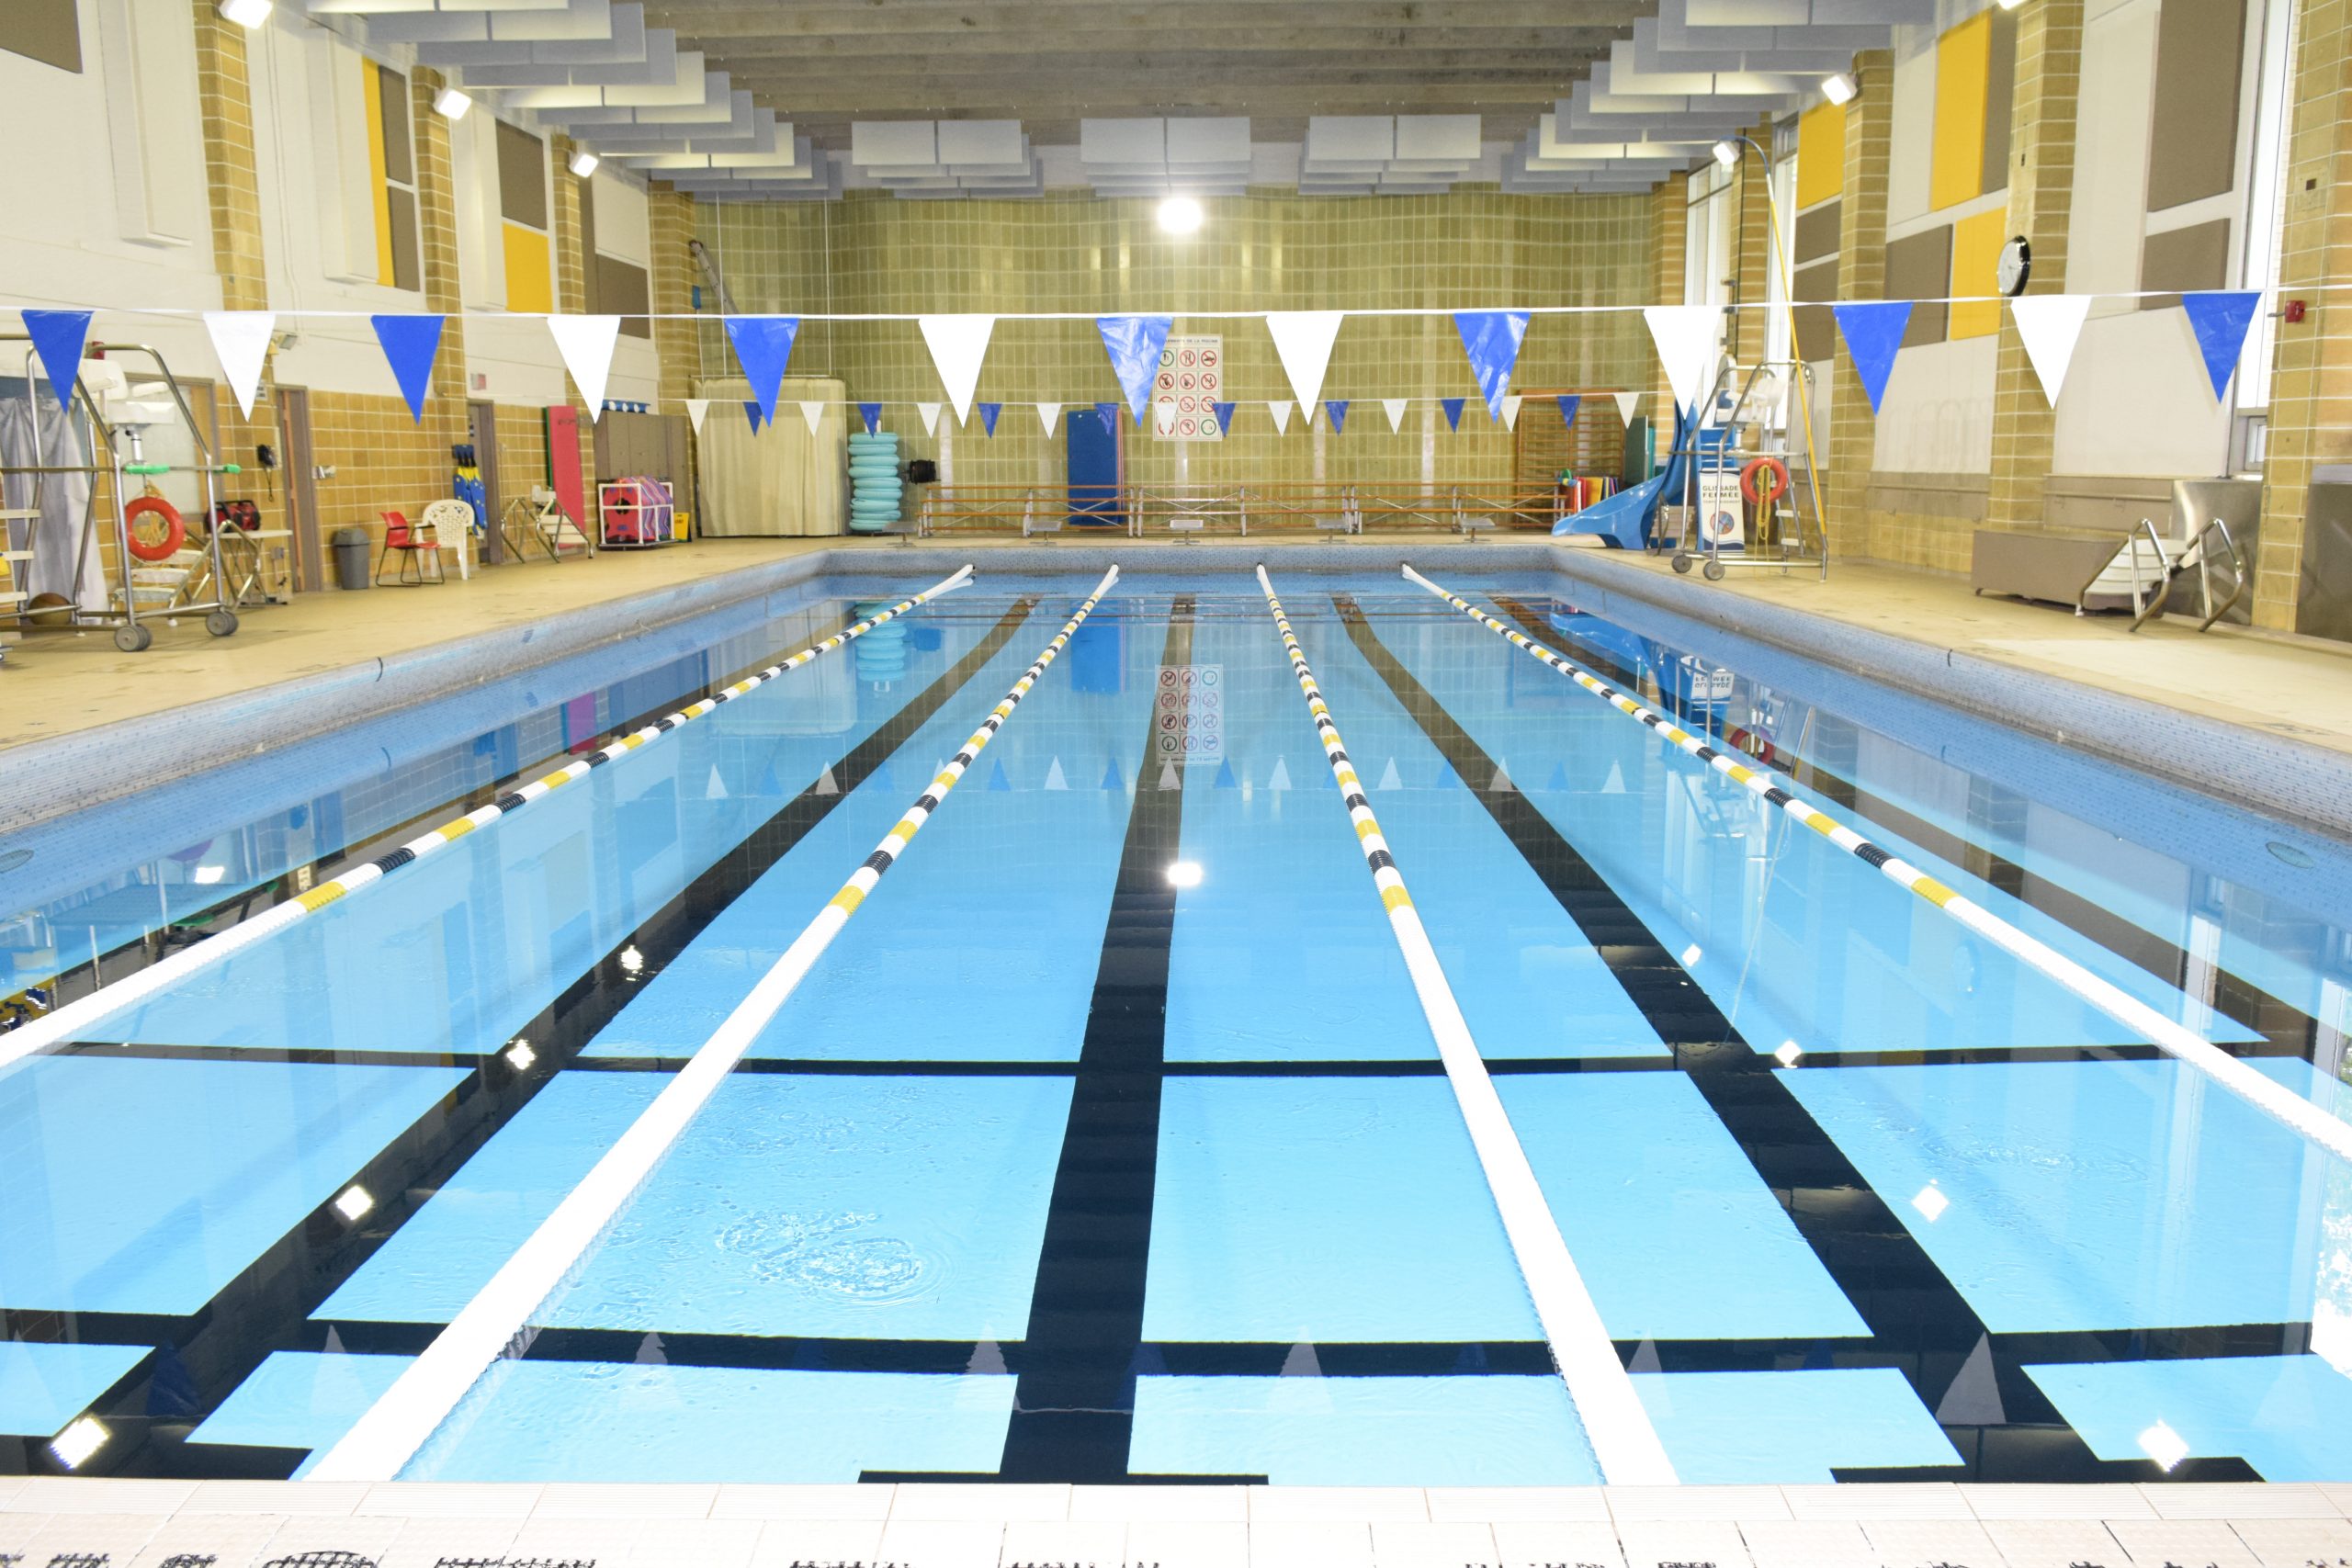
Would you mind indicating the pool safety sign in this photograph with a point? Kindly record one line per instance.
(1189, 386)
(1719, 508)
(1188, 715)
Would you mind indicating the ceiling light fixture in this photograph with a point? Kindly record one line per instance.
(519, 1055)
(354, 1202)
(1179, 215)
(2164, 1445)
(1185, 873)
(584, 162)
(1727, 153)
(451, 104)
(1839, 87)
(2011, 5)
(247, 14)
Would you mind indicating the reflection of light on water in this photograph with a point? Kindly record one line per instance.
(825, 1254)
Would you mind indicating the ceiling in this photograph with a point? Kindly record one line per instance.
(1047, 64)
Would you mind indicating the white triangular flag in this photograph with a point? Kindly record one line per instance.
(813, 414)
(1050, 413)
(1281, 779)
(586, 345)
(1685, 337)
(1501, 781)
(1168, 779)
(1625, 402)
(1510, 411)
(717, 788)
(1388, 779)
(1054, 776)
(826, 784)
(1394, 407)
(1303, 340)
(696, 409)
(1615, 783)
(958, 344)
(930, 412)
(240, 341)
(1282, 417)
(2050, 325)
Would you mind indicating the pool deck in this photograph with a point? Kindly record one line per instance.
(139, 1524)
(60, 682)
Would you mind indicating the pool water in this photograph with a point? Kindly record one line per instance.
(1108, 1141)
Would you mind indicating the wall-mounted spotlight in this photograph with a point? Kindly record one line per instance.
(2011, 5)
(1839, 88)
(1727, 153)
(1179, 215)
(584, 162)
(247, 14)
(451, 104)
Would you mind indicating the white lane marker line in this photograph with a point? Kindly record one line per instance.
(1623, 1439)
(498, 1319)
(2273, 1099)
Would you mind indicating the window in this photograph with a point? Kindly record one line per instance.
(46, 30)
(391, 165)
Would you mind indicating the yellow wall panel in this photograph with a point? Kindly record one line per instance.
(1975, 260)
(528, 286)
(372, 87)
(1821, 154)
(1956, 171)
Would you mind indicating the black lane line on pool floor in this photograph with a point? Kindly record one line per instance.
(267, 1307)
(1074, 1405)
(2286, 1028)
(71, 984)
(1919, 1322)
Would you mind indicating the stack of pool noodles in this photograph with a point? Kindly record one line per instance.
(873, 482)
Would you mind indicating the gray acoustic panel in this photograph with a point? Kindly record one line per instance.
(2197, 257)
(2192, 148)
(1919, 266)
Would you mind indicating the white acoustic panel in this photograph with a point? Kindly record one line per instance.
(875, 143)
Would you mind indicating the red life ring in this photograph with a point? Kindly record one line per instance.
(174, 530)
(1773, 466)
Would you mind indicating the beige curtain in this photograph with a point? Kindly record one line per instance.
(783, 481)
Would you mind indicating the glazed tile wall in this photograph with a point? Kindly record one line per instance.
(1476, 247)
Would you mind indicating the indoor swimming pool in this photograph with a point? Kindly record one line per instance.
(1108, 1141)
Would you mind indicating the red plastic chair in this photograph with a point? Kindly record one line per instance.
(416, 545)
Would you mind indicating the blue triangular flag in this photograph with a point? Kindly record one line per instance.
(882, 779)
(1223, 415)
(1447, 778)
(1109, 415)
(1225, 779)
(410, 344)
(1559, 779)
(1873, 331)
(1134, 344)
(2219, 317)
(1568, 402)
(58, 337)
(997, 779)
(763, 347)
(988, 417)
(752, 412)
(872, 414)
(1111, 779)
(1453, 407)
(1338, 408)
(1491, 339)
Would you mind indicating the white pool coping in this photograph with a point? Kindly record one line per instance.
(244, 1524)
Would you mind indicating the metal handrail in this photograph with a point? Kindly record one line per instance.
(2139, 612)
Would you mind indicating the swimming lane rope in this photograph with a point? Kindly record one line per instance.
(1614, 1421)
(75, 1019)
(499, 1316)
(2267, 1095)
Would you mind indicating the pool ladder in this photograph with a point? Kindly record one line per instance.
(2195, 556)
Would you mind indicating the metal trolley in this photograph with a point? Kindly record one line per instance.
(1714, 460)
(194, 579)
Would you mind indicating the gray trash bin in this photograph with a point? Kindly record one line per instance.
(351, 558)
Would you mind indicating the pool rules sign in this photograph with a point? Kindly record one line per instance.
(1185, 392)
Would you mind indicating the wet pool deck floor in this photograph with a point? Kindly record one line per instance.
(141, 1523)
(63, 682)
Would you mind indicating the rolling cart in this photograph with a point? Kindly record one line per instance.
(1739, 488)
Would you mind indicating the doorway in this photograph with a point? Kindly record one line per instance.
(301, 487)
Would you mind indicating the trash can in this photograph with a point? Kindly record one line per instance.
(351, 558)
